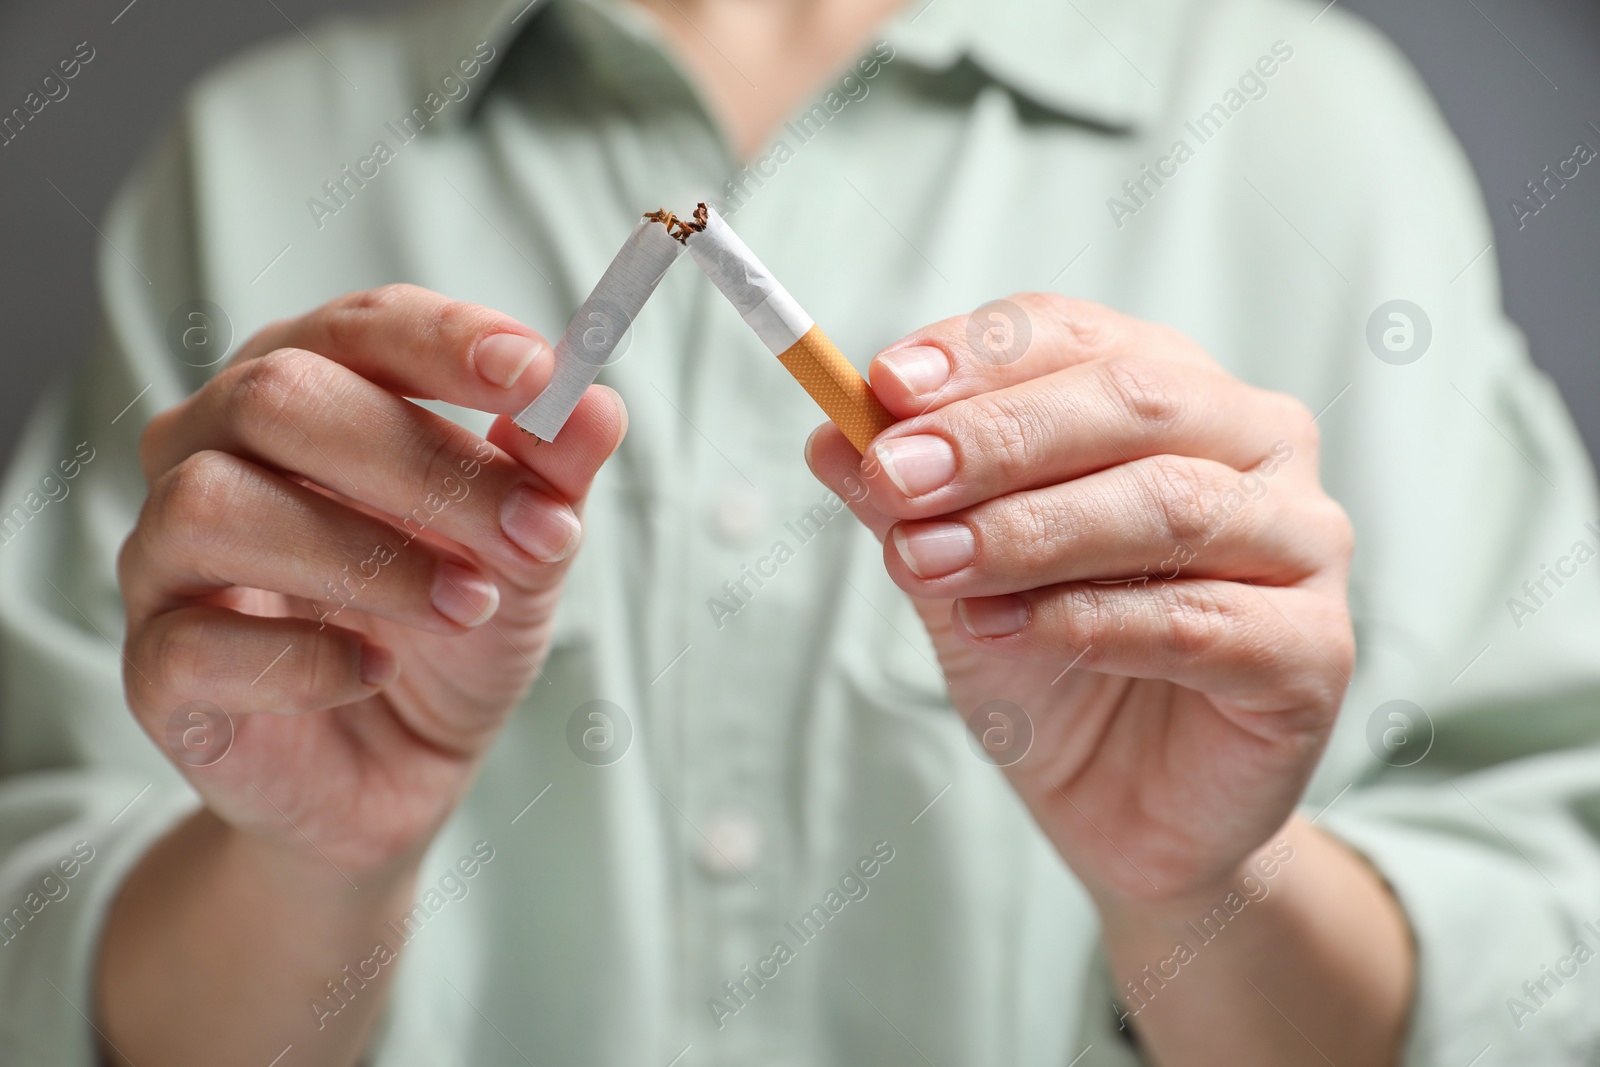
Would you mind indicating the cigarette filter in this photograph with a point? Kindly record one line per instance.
(787, 331)
(594, 332)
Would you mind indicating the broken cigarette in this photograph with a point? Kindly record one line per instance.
(787, 331)
(594, 332)
(777, 319)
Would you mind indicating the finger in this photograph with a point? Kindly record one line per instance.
(1270, 649)
(564, 470)
(1005, 342)
(415, 342)
(1075, 422)
(1153, 518)
(837, 465)
(217, 521)
(248, 664)
(569, 464)
(296, 412)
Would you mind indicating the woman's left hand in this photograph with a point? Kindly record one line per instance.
(1125, 554)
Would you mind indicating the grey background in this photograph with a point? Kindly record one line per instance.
(1519, 80)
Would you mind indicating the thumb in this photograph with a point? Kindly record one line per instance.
(837, 465)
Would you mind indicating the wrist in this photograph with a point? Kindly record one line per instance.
(304, 875)
(1144, 924)
(1315, 936)
(208, 895)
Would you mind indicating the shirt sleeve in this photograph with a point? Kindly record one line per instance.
(1468, 742)
(83, 790)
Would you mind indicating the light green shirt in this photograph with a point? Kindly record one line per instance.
(1262, 177)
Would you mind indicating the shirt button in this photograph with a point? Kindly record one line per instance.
(729, 846)
(738, 515)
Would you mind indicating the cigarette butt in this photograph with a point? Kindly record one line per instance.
(837, 387)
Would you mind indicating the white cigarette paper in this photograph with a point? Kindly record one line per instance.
(594, 332)
(774, 315)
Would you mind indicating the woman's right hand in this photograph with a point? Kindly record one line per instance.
(365, 587)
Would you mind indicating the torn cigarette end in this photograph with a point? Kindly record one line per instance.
(676, 227)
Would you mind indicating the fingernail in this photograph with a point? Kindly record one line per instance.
(918, 464)
(501, 359)
(993, 616)
(935, 549)
(378, 666)
(920, 368)
(544, 528)
(464, 596)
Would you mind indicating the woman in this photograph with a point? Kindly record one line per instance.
(434, 784)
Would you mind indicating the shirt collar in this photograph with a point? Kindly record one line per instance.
(1108, 62)
(448, 31)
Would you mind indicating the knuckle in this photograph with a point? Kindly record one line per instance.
(1007, 446)
(1341, 651)
(456, 319)
(1194, 618)
(1179, 497)
(1301, 421)
(1293, 423)
(349, 318)
(1331, 517)
(1296, 413)
(1317, 680)
(172, 653)
(443, 454)
(1033, 530)
(1101, 618)
(1141, 393)
(422, 316)
(195, 498)
(1086, 326)
(365, 303)
(323, 669)
(391, 295)
(1092, 617)
(1002, 433)
(266, 387)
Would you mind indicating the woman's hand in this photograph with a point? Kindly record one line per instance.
(1111, 502)
(365, 587)
(1129, 569)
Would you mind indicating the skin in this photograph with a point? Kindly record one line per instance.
(1164, 766)
(756, 62)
